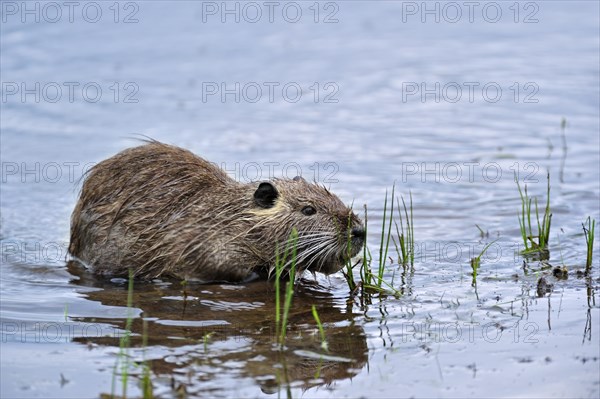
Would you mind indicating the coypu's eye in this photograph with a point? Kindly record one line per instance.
(309, 210)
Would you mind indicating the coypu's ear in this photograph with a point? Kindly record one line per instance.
(298, 178)
(265, 195)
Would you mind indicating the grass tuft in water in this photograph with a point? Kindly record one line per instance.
(205, 340)
(543, 227)
(405, 247)
(321, 330)
(374, 282)
(184, 293)
(588, 230)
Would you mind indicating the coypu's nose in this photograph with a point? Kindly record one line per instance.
(358, 232)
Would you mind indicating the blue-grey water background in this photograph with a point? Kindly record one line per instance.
(356, 95)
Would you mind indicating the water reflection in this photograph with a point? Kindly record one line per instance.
(212, 328)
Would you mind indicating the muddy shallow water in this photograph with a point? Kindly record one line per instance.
(380, 104)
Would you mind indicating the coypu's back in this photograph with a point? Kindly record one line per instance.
(161, 210)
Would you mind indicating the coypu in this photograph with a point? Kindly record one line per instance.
(160, 210)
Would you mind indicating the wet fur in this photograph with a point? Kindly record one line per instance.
(163, 211)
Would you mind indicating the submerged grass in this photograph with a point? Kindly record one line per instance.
(588, 232)
(476, 262)
(289, 293)
(205, 339)
(123, 359)
(280, 265)
(525, 225)
(123, 362)
(147, 388)
(482, 233)
(321, 330)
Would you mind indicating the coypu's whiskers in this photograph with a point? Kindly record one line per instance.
(330, 254)
(320, 254)
(315, 250)
(311, 246)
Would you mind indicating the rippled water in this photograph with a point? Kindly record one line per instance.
(379, 118)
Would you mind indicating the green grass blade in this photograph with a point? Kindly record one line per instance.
(385, 235)
(289, 287)
(381, 245)
(589, 241)
(320, 326)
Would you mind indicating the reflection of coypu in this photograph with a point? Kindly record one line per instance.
(225, 325)
(161, 210)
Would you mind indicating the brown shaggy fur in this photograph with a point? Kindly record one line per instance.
(161, 210)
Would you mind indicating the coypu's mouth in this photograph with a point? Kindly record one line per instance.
(356, 241)
(351, 249)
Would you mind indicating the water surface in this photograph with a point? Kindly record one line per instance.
(367, 129)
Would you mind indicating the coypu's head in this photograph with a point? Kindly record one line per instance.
(329, 233)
